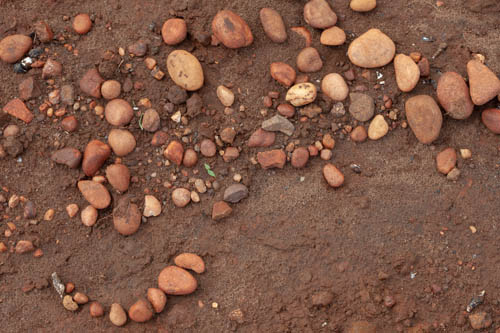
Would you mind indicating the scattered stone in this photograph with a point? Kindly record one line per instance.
(322, 298)
(190, 261)
(333, 36)
(446, 160)
(363, 5)
(70, 157)
(49, 215)
(89, 216)
(273, 25)
(43, 32)
(111, 89)
(300, 156)
(181, 197)
(24, 246)
(453, 175)
(221, 210)
(190, 158)
(174, 280)
(28, 89)
(484, 84)
(121, 141)
(141, 311)
(174, 31)
(151, 120)
(338, 110)
(231, 154)
(311, 111)
(94, 156)
(126, 217)
(230, 29)
(69, 304)
(480, 320)
(80, 298)
(261, 138)
(157, 298)
(227, 135)
(117, 315)
(333, 176)
(18, 109)
(51, 69)
(208, 148)
(424, 67)
(372, 49)
(82, 24)
(491, 119)
(177, 95)
(118, 176)
(90, 83)
(334, 86)
(319, 15)
(407, 72)
(237, 316)
(235, 193)
(378, 127)
(286, 110)
(362, 106)
(309, 60)
(301, 94)
(185, 70)
(278, 124)
(453, 95)
(96, 310)
(225, 95)
(159, 139)
(14, 47)
(424, 117)
(69, 124)
(465, 153)
(152, 206)
(118, 112)
(72, 210)
(326, 154)
(362, 327)
(96, 194)
(67, 94)
(328, 141)
(283, 73)
(272, 159)
(139, 48)
(11, 130)
(174, 152)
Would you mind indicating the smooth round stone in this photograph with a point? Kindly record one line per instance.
(121, 141)
(94, 156)
(301, 94)
(117, 315)
(96, 194)
(157, 298)
(484, 84)
(453, 95)
(446, 160)
(359, 134)
(174, 31)
(378, 128)
(300, 156)
(225, 95)
(14, 47)
(185, 70)
(208, 148)
(333, 36)
(309, 60)
(174, 152)
(372, 49)
(118, 176)
(230, 29)
(181, 197)
(491, 119)
(118, 112)
(283, 73)
(261, 138)
(318, 14)
(141, 311)
(362, 106)
(126, 217)
(174, 280)
(424, 117)
(82, 24)
(333, 176)
(152, 206)
(363, 5)
(273, 25)
(407, 72)
(335, 87)
(111, 89)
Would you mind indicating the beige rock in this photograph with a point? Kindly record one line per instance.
(225, 95)
(333, 36)
(69, 304)
(181, 197)
(152, 206)
(363, 5)
(372, 49)
(185, 70)
(157, 298)
(117, 315)
(407, 72)
(141, 311)
(301, 94)
(309, 60)
(96, 194)
(318, 14)
(89, 216)
(446, 160)
(453, 95)
(484, 84)
(335, 87)
(121, 141)
(190, 261)
(174, 280)
(333, 176)
(273, 25)
(424, 117)
(378, 127)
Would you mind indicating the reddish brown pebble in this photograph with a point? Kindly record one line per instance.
(3, 247)
(446, 160)
(157, 298)
(283, 73)
(230, 29)
(96, 310)
(309, 61)
(231, 154)
(491, 119)
(37, 254)
(333, 176)
(159, 139)
(318, 14)
(174, 31)
(424, 117)
(359, 134)
(174, 152)
(267, 101)
(96, 153)
(302, 78)
(221, 210)
(190, 158)
(91, 82)
(118, 176)
(300, 156)
(190, 261)
(82, 24)
(424, 67)
(261, 138)
(80, 298)
(43, 32)
(96, 194)
(273, 25)
(69, 124)
(70, 286)
(208, 148)
(118, 112)
(313, 151)
(325, 154)
(14, 47)
(24, 246)
(286, 110)
(18, 109)
(28, 89)
(272, 159)
(51, 69)
(453, 95)
(140, 311)
(181, 197)
(228, 134)
(151, 120)
(72, 210)
(328, 141)
(126, 217)
(70, 157)
(174, 280)
(117, 315)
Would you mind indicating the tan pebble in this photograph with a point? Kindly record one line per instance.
(157, 298)
(190, 158)
(126, 217)
(491, 119)
(152, 206)
(181, 197)
(378, 127)
(49, 215)
(69, 304)
(318, 14)
(273, 25)
(465, 153)
(174, 31)
(190, 261)
(96, 309)
(301, 94)
(335, 87)
(372, 49)
(14, 47)
(326, 154)
(453, 175)
(195, 197)
(80, 298)
(333, 176)
(111, 89)
(140, 311)
(82, 24)
(333, 36)
(72, 210)
(174, 280)
(363, 5)
(407, 72)
(359, 134)
(424, 117)
(446, 160)
(484, 84)
(117, 315)
(225, 95)
(230, 29)
(89, 216)
(453, 95)
(185, 70)
(121, 141)
(309, 60)
(96, 194)
(118, 176)
(118, 112)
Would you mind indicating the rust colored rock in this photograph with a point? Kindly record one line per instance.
(484, 84)
(208, 148)
(24, 246)
(126, 217)
(309, 60)
(174, 31)
(69, 124)
(96, 309)
(90, 83)
(70, 157)
(157, 298)
(28, 89)
(286, 110)
(18, 109)
(230, 29)
(221, 210)
(333, 176)
(141, 311)
(43, 32)
(174, 280)
(139, 48)
(359, 134)
(283, 73)
(174, 152)
(491, 119)
(159, 139)
(424, 67)
(424, 117)
(190, 158)
(94, 156)
(453, 95)
(272, 159)
(273, 25)
(118, 176)
(190, 261)
(261, 138)
(96, 194)
(300, 156)
(14, 47)
(446, 160)
(51, 69)
(231, 154)
(82, 24)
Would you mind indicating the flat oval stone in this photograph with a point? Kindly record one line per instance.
(491, 119)
(333, 176)
(453, 95)
(407, 72)
(363, 5)
(273, 25)
(378, 127)
(309, 60)
(372, 49)
(235, 193)
(261, 138)
(14, 47)
(318, 14)
(95, 193)
(335, 87)
(424, 117)
(484, 84)
(362, 106)
(333, 36)
(174, 280)
(229, 28)
(185, 70)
